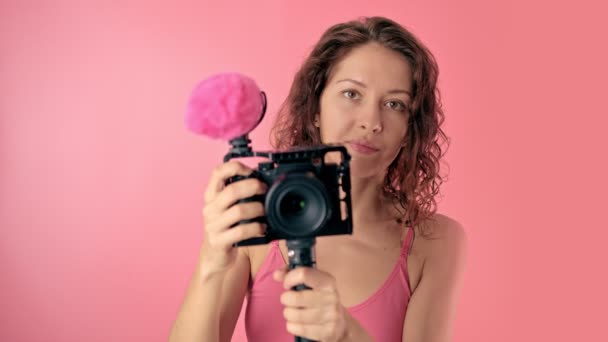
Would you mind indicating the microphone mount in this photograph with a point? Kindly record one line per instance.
(240, 146)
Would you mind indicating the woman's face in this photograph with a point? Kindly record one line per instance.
(365, 107)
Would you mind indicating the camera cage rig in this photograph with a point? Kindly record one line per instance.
(241, 148)
(301, 251)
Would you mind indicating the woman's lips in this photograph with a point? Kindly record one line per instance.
(363, 148)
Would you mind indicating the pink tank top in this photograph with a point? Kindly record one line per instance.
(381, 315)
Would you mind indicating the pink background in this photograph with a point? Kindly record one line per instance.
(101, 185)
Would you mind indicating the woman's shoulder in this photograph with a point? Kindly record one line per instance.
(441, 236)
(438, 252)
(257, 254)
(441, 224)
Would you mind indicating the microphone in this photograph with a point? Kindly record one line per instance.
(225, 106)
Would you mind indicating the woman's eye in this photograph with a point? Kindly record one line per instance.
(396, 105)
(349, 94)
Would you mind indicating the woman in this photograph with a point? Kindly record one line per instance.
(370, 85)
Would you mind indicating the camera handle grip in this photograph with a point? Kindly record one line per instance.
(254, 198)
(301, 252)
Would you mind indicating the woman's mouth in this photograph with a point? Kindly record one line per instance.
(363, 147)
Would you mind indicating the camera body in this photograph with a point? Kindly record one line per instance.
(307, 196)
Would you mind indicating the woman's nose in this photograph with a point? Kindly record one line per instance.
(371, 119)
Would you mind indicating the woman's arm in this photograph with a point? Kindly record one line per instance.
(215, 295)
(432, 307)
(212, 303)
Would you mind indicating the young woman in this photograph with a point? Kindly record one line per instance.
(370, 85)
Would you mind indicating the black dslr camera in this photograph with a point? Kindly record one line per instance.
(307, 196)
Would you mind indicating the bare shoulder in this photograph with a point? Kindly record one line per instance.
(431, 311)
(256, 255)
(442, 236)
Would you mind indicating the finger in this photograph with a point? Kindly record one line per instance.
(219, 176)
(311, 277)
(236, 213)
(308, 299)
(240, 233)
(238, 190)
(231, 194)
(317, 315)
(310, 331)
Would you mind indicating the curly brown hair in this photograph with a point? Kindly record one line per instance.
(412, 180)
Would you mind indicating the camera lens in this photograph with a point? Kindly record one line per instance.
(298, 205)
(293, 204)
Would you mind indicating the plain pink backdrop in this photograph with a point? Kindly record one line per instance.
(101, 185)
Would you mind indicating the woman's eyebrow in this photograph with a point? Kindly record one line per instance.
(353, 81)
(394, 91)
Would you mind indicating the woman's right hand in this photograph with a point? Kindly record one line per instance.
(221, 212)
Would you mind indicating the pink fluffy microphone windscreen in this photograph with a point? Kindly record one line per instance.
(225, 106)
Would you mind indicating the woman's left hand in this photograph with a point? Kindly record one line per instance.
(315, 314)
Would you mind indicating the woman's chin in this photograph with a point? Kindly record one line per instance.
(363, 170)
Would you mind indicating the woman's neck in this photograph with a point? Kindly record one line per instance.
(369, 203)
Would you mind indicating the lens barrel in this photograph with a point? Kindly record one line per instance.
(298, 205)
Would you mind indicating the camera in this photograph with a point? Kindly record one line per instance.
(308, 194)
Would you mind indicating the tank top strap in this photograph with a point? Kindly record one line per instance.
(275, 251)
(406, 248)
(273, 257)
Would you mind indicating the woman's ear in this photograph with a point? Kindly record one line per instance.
(316, 121)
